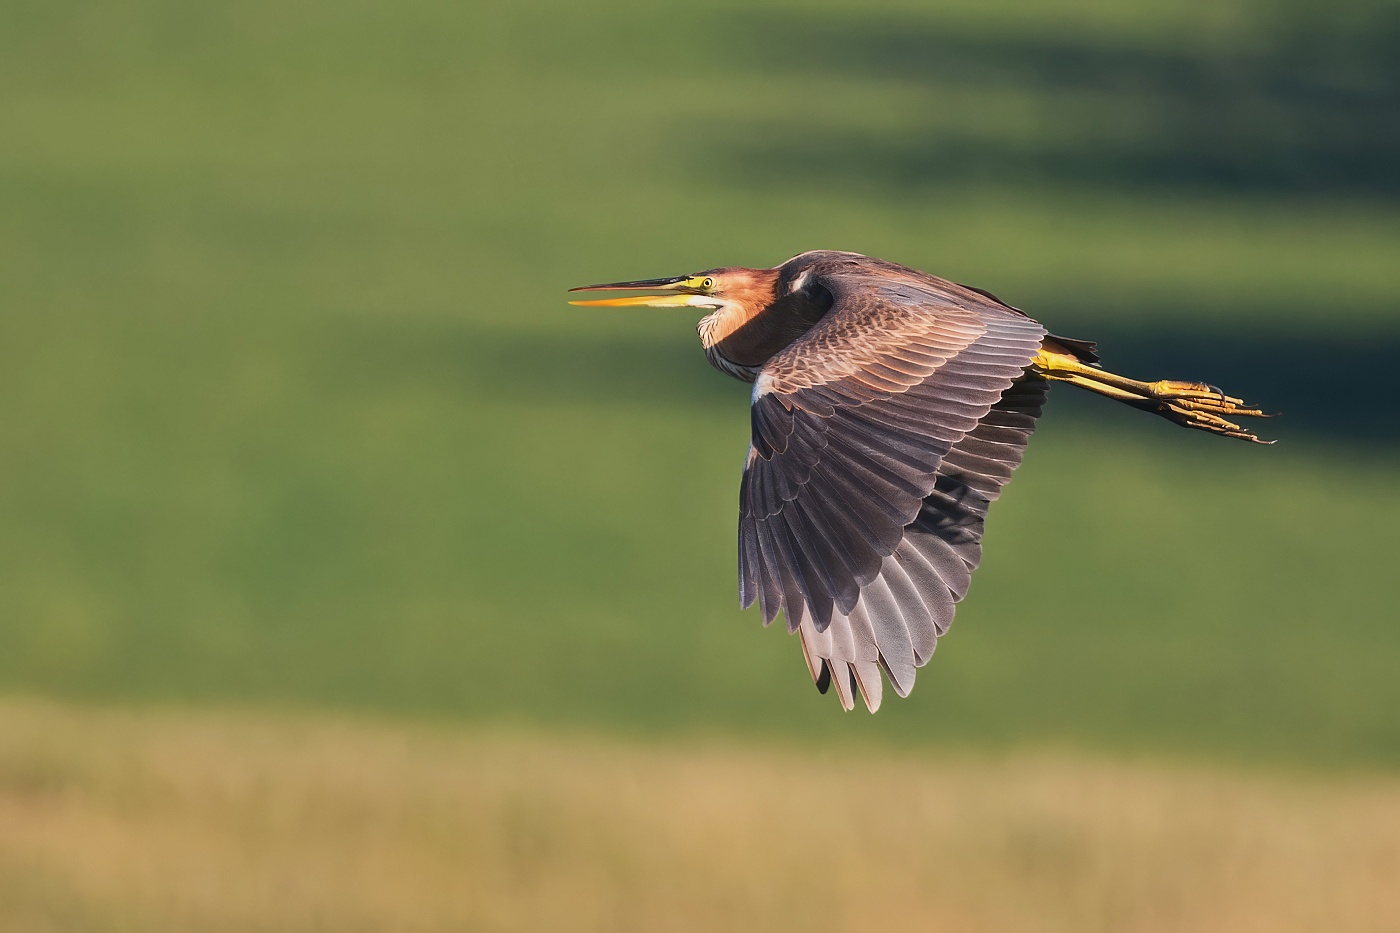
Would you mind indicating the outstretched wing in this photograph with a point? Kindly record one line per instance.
(874, 455)
(900, 615)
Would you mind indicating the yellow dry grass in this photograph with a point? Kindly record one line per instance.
(182, 821)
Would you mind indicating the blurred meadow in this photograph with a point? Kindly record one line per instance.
(300, 445)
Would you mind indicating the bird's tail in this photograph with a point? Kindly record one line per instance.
(1192, 404)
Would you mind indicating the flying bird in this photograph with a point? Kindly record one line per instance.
(889, 409)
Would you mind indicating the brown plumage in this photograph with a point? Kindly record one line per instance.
(889, 409)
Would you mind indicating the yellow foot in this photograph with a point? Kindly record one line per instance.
(1197, 396)
(1193, 413)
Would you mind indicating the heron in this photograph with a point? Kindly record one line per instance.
(889, 409)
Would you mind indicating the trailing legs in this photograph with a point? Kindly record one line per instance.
(1192, 404)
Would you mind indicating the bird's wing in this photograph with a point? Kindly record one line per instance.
(853, 424)
(900, 614)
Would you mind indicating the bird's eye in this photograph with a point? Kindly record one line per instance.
(708, 283)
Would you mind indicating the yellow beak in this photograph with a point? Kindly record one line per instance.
(655, 301)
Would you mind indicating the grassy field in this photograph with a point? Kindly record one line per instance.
(219, 821)
(293, 412)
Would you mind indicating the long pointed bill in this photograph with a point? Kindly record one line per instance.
(651, 301)
(654, 301)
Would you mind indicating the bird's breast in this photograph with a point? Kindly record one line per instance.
(718, 333)
(740, 371)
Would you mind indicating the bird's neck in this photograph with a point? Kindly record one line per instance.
(757, 323)
(744, 299)
(719, 325)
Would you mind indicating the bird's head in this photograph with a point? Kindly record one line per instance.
(741, 289)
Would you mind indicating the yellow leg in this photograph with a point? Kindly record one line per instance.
(1192, 404)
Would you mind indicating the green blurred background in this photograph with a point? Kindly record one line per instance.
(293, 413)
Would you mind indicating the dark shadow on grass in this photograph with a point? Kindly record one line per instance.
(1326, 388)
(1322, 387)
(1308, 102)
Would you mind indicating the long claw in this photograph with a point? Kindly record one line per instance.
(1193, 417)
(1224, 406)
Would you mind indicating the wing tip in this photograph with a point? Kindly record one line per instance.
(845, 683)
(867, 674)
